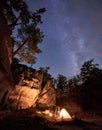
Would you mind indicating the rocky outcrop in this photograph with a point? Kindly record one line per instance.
(33, 88)
(6, 80)
(23, 97)
(47, 96)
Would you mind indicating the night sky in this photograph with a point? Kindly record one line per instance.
(73, 34)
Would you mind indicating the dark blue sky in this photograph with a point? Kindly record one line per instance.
(73, 34)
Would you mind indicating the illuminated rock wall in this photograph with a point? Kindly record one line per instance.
(23, 97)
(48, 95)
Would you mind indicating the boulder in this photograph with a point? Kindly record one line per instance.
(47, 96)
(6, 80)
(23, 97)
(32, 94)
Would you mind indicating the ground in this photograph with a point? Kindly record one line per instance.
(29, 120)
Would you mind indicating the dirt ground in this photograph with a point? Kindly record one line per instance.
(28, 120)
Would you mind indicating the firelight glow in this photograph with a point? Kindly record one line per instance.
(50, 114)
(64, 115)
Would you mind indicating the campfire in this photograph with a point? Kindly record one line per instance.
(57, 115)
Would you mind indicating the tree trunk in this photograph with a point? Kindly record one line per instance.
(6, 80)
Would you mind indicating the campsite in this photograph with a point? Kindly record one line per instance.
(50, 65)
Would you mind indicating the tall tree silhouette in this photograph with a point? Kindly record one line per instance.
(23, 28)
(62, 82)
(89, 71)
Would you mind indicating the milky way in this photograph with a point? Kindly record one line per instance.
(73, 34)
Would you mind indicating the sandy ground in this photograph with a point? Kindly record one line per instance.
(28, 120)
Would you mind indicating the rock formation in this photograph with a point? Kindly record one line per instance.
(23, 97)
(32, 94)
(47, 96)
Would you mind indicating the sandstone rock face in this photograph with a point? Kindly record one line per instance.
(34, 83)
(47, 96)
(5, 89)
(32, 94)
(23, 97)
(6, 80)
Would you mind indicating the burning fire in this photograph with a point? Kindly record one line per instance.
(64, 115)
(50, 114)
(61, 115)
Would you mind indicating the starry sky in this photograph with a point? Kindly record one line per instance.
(73, 34)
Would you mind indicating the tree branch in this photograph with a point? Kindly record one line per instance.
(20, 47)
(14, 23)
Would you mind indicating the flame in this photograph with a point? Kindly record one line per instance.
(64, 114)
(50, 114)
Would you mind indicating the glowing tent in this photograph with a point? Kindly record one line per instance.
(64, 115)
